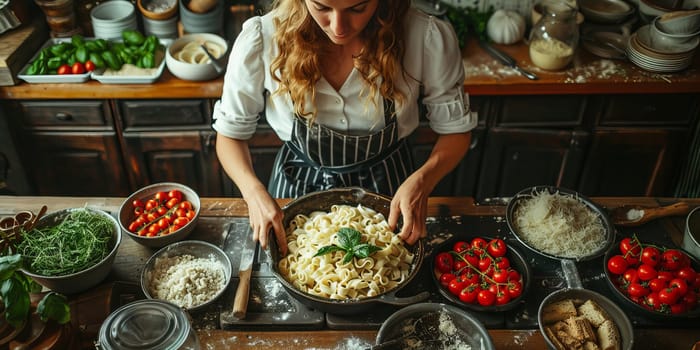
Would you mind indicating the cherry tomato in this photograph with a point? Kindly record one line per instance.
(134, 226)
(630, 245)
(496, 247)
(665, 275)
(445, 279)
(190, 214)
(471, 277)
(657, 284)
(181, 221)
(513, 275)
(185, 205)
(137, 203)
(77, 68)
(650, 256)
(646, 272)
(672, 259)
(175, 194)
(471, 258)
(181, 213)
(459, 266)
(89, 66)
(637, 290)
(668, 296)
(680, 285)
(688, 274)
(443, 262)
(631, 275)
(515, 289)
(161, 210)
(161, 196)
(138, 211)
(502, 263)
(479, 245)
(460, 246)
(151, 217)
(485, 297)
(456, 285)
(63, 69)
(502, 298)
(468, 295)
(500, 275)
(652, 301)
(485, 264)
(172, 202)
(617, 265)
(151, 204)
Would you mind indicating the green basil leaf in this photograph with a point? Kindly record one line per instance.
(365, 250)
(348, 257)
(16, 301)
(348, 237)
(55, 307)
(8, 265)
(328, 249)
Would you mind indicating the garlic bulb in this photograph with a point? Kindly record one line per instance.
(505, 27)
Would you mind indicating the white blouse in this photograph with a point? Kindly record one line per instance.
(433, 63)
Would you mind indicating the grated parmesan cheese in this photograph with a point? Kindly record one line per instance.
(559, 224)
(186, 281)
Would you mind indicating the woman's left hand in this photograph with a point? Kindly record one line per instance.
(410, 202)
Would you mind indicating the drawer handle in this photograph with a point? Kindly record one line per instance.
(63, 116)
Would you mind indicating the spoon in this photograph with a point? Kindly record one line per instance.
(635, 215)
(213, 59)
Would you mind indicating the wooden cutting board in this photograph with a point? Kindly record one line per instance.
(17, 46)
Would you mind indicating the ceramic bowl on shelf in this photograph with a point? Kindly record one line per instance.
(679, 22)
(138, 226)
(159, 10)
(606, 11)
(187, 60)
(109, 19)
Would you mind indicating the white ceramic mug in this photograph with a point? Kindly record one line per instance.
(691, 236)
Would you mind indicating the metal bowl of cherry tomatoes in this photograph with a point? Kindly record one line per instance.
(480, 273)
(160, 214)
(657, 281)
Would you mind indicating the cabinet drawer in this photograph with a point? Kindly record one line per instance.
(670, 109)
(150, 114)
(66, 114)
(547, 111)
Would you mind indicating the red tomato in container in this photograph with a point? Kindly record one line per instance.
(443, 262)
(496, 247)
(78, 68)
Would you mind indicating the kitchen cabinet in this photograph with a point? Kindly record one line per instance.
(70, 147)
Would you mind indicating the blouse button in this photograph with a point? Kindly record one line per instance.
(337, 101)
(342, 121)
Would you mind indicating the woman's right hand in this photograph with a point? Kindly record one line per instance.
(265, 215)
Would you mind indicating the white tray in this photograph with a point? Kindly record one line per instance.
(51, 78)
(135, 79)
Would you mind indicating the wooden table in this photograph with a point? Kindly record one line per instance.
(215, 211)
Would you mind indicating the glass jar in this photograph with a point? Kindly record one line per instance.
(554, 38)
(148, 324)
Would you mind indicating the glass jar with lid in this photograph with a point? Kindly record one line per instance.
(148, 324)
(554, 37)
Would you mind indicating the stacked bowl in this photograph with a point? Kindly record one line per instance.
(111, 18)
(652, 51)
(159, 17)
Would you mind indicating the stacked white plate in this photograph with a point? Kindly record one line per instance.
(655, 58)
(111, 18)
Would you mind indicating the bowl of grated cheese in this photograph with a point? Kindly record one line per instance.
(559, 223)
(190, 274)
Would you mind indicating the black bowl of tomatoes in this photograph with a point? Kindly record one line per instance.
(658, 281)
(480, 273)
(159, 214)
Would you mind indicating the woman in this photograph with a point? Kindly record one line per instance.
(340, 82)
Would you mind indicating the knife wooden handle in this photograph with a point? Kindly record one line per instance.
(240, 301)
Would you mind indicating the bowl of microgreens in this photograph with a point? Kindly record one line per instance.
(70, 250)
(342, 256)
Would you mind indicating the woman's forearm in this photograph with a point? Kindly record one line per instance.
(448, 151)
(234, 157)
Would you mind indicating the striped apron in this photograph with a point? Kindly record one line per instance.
(317, 158)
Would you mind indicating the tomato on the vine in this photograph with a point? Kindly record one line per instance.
(443, 262)
(161, 196)
(617, 265)
(679, 285)
(486, 298)
(637, 290)
(668, 296)
(468, 295)
(657, 284)
(672, 259)
(500, 275)
(502, 298)
(460, 246)
(445, 279)
(175, 194)
(650, 256)
(471, 258)
(630, 245)
(688, 274)
(515, 289)
(478, 245)
(646, 272)
(496, 247)
(502, 263)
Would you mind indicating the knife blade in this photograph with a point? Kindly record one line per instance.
(240, 301)
(506, 59)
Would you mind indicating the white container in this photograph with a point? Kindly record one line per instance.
(180, 63)
(111, 18)
(210, 22)
(691, 236)
(163, 29)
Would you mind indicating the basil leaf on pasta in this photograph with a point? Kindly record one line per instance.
(348, 237)
(364, 250)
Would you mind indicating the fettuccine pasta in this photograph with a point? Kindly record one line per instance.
(326, 275)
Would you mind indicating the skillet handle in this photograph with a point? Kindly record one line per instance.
(571, 274)
(392, 299)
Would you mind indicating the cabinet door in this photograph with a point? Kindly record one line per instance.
(187, 157)
(76, 164)
(632, 162)
(515, 159)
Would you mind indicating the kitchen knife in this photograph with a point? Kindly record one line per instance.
(506, 59)
(240, 301)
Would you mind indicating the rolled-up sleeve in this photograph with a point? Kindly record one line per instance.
(443, 81)
(237, 113)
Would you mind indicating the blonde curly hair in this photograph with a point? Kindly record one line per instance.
(300, 40)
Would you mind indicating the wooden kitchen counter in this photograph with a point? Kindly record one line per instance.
(588, 74)
(131, 257)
